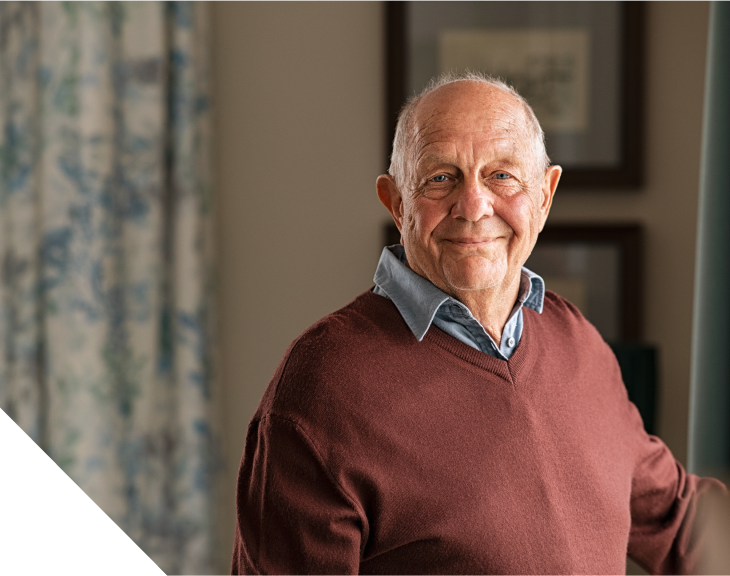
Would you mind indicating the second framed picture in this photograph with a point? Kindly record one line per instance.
(578, 64)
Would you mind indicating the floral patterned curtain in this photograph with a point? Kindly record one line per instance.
(105, 259)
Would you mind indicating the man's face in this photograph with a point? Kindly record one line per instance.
(477, 198)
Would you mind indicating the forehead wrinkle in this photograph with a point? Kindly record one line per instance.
(506, 123)
(500, 149)
(423, 133)
(499, 128)
(427, 129)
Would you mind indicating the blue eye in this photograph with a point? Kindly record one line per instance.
(502, 176)
(439, 178)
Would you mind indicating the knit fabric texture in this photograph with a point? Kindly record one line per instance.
(372, 452)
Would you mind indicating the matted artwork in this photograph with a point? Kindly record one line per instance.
(578, 64)
(597, 268)
(549, 67)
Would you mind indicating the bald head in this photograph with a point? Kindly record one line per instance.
(457, 93)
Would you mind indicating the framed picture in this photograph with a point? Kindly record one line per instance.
(596, 267)
(578, 64)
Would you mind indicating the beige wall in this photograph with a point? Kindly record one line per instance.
(298, 146)
(298, 90)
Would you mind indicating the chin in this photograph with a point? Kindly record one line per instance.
(472, 278)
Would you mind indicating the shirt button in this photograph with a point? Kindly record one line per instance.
(511, 342)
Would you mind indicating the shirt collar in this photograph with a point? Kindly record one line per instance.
(532, 290)
(418, 299)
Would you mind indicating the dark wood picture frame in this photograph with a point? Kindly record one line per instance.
(627, 175)
(629, 242)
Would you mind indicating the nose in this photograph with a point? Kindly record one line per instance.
(474, 201)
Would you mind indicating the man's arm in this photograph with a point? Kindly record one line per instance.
(292, 516)
(664, 537)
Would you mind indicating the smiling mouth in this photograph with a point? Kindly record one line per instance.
(471, 242)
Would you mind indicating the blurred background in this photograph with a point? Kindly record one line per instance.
(186, 187)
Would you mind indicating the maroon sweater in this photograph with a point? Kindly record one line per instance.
(372, 452)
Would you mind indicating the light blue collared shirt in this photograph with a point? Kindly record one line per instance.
(421, 303)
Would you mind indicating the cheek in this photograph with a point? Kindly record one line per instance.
(521, 216)
(421, 220)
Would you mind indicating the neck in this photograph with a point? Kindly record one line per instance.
(492, 306)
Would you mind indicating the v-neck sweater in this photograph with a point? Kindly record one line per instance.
(372, 452)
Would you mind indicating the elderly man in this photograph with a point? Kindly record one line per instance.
(457, 418)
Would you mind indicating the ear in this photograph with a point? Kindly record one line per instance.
(391, 198)
(549, 185)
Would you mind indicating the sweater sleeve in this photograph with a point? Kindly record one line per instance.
(292, 516)
(664, 538)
